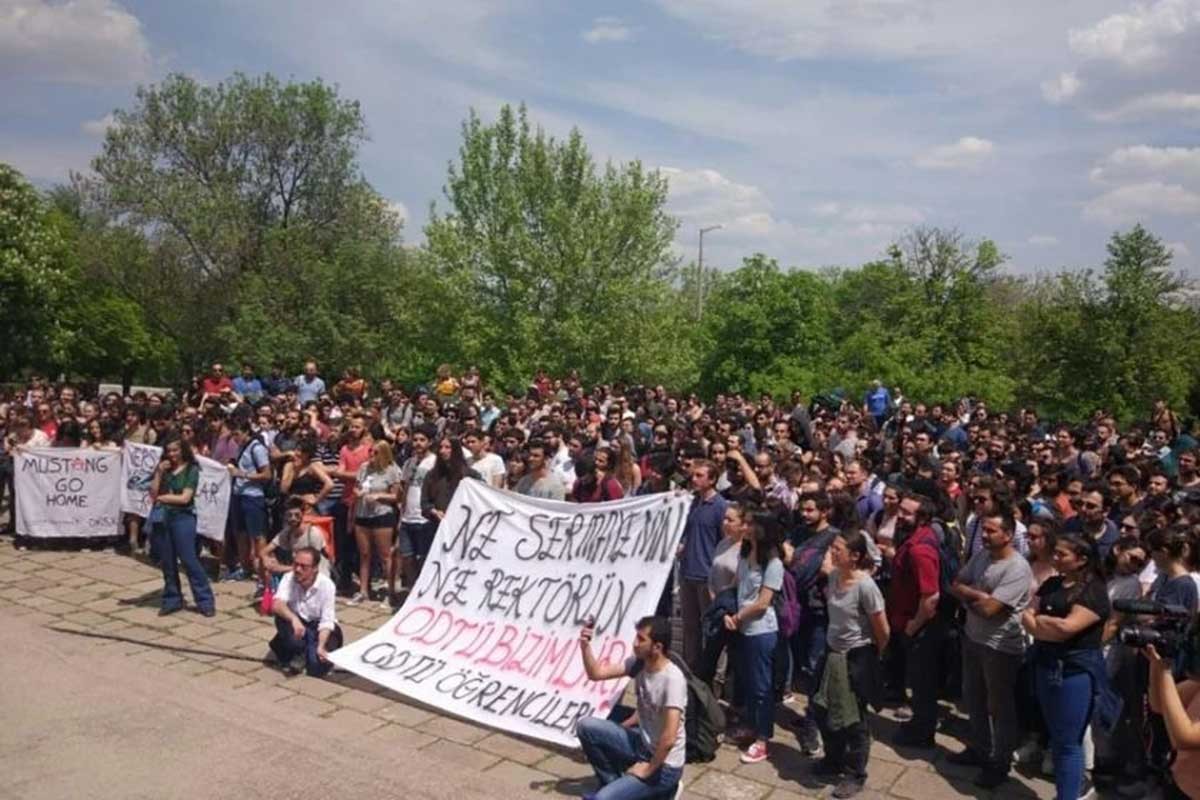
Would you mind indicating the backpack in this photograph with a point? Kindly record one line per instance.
(704, 722)
(949, 563)
(786, 603)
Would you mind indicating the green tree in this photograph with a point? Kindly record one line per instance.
(546, 260)
(36, 272)
(767, 330)
(211, 177)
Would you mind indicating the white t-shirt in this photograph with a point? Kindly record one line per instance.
(413, 475)
(490, 467)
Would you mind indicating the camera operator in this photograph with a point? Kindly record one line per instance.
(1179, 706)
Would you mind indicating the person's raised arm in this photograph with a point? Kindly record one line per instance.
(593, 668)
(1167, 699)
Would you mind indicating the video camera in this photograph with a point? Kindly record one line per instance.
(1173, 630)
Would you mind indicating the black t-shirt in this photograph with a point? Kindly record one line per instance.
(1055, 600)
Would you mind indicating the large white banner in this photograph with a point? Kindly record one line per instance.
(491, 630)
(121, 477)
(67, 492)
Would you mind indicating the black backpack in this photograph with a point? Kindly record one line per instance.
(705, 720)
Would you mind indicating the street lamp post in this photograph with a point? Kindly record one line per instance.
(700, 272)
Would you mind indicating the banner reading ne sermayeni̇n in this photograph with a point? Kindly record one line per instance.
(491, 630)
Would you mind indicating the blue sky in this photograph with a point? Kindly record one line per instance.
(815, 131)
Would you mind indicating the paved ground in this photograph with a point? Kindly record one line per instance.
(102, 698)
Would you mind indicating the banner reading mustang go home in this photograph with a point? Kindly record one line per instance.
(67, 491)
(491, 630)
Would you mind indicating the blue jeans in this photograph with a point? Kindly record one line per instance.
(287, 645)
(1067, 708)
(611, 749)
(808, 662)
(177, 544)
(755, 661)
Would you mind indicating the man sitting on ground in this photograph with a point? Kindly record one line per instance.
(305, 623)
(642, 756)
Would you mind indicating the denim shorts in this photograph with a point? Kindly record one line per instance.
(251, 511)
(387, 520)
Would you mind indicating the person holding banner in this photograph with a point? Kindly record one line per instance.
(174, 490)
(643, 756)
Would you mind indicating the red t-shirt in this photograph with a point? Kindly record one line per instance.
(216, 385)
(350, 459)
(916, 570)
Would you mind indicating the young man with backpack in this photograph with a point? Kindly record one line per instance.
(251, 472)
(643, 756)
(916, 585)
(804, 557)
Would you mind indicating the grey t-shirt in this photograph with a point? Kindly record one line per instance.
(723, 574)
(1008, 581)
(850, 613)
(656, 692)
(547, 488)
(751, 580)
(309, 537)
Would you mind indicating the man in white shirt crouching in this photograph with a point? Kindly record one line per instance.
(305, 622)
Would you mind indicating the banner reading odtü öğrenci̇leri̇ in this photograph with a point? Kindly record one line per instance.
(67, 491)
(490, 632)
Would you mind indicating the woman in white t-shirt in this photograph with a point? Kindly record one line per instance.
(759, 577)
(377, 495)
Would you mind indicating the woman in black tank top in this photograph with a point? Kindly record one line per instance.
(304, 475)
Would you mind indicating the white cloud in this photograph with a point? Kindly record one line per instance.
(98, 127)
(1062, 88)
(607, 29)
(1142, 161)
(399, 209)
(830, 232)
(1139, 37)
(1042, 240)
(709, 198)
(1179, 250)
(1142, 201)
(969, 152)
(91, 42)
(866, 213)
(1141, 62)
(1152, 104)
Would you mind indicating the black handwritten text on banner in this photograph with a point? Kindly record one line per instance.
(491, 630)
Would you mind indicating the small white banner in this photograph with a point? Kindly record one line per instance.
(67, 492)
(491, 630)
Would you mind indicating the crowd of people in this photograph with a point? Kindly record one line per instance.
(842, 555)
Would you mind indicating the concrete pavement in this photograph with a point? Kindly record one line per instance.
(102, 698)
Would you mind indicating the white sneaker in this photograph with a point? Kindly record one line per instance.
(356, 599)
(385, 604)
(1028, 753)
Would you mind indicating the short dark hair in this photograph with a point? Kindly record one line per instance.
(312, 551)
(659, 630)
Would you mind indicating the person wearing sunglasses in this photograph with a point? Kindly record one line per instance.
(1092, 521)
